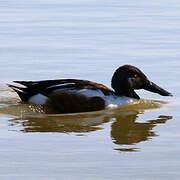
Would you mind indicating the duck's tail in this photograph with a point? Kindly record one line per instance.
(22, 92)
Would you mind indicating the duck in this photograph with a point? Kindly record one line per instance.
(75, 95)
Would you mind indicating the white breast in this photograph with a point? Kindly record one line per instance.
(111, 100)
(115, 101)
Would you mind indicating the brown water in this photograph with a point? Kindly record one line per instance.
(89, 40)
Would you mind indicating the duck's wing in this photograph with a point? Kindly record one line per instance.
(47, 87)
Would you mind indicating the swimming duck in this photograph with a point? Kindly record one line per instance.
(74, 95)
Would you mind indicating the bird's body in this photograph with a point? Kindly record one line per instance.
(73, 95)
(110, 100)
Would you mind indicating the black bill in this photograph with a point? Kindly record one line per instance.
(150, 86)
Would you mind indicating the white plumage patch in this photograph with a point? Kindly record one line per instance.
(115, 101)
(38, 99)
(60, 85)
(111, 100)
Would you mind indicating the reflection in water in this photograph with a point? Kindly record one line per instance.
(64, 124)
(127, 149)
(125, 130)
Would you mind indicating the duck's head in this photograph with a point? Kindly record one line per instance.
(127, 78)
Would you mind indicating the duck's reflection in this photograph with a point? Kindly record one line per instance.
(125, 129)
(63, 124)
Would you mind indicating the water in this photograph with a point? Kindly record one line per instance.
(89, 40)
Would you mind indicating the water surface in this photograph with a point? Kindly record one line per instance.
(89, 40)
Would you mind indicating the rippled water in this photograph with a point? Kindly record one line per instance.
(89, 40)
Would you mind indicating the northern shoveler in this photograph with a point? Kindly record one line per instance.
(73, 95)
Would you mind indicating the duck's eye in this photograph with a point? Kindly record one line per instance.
(135, 75)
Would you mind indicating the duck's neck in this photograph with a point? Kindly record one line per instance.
(131, 94)
(124, 90)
